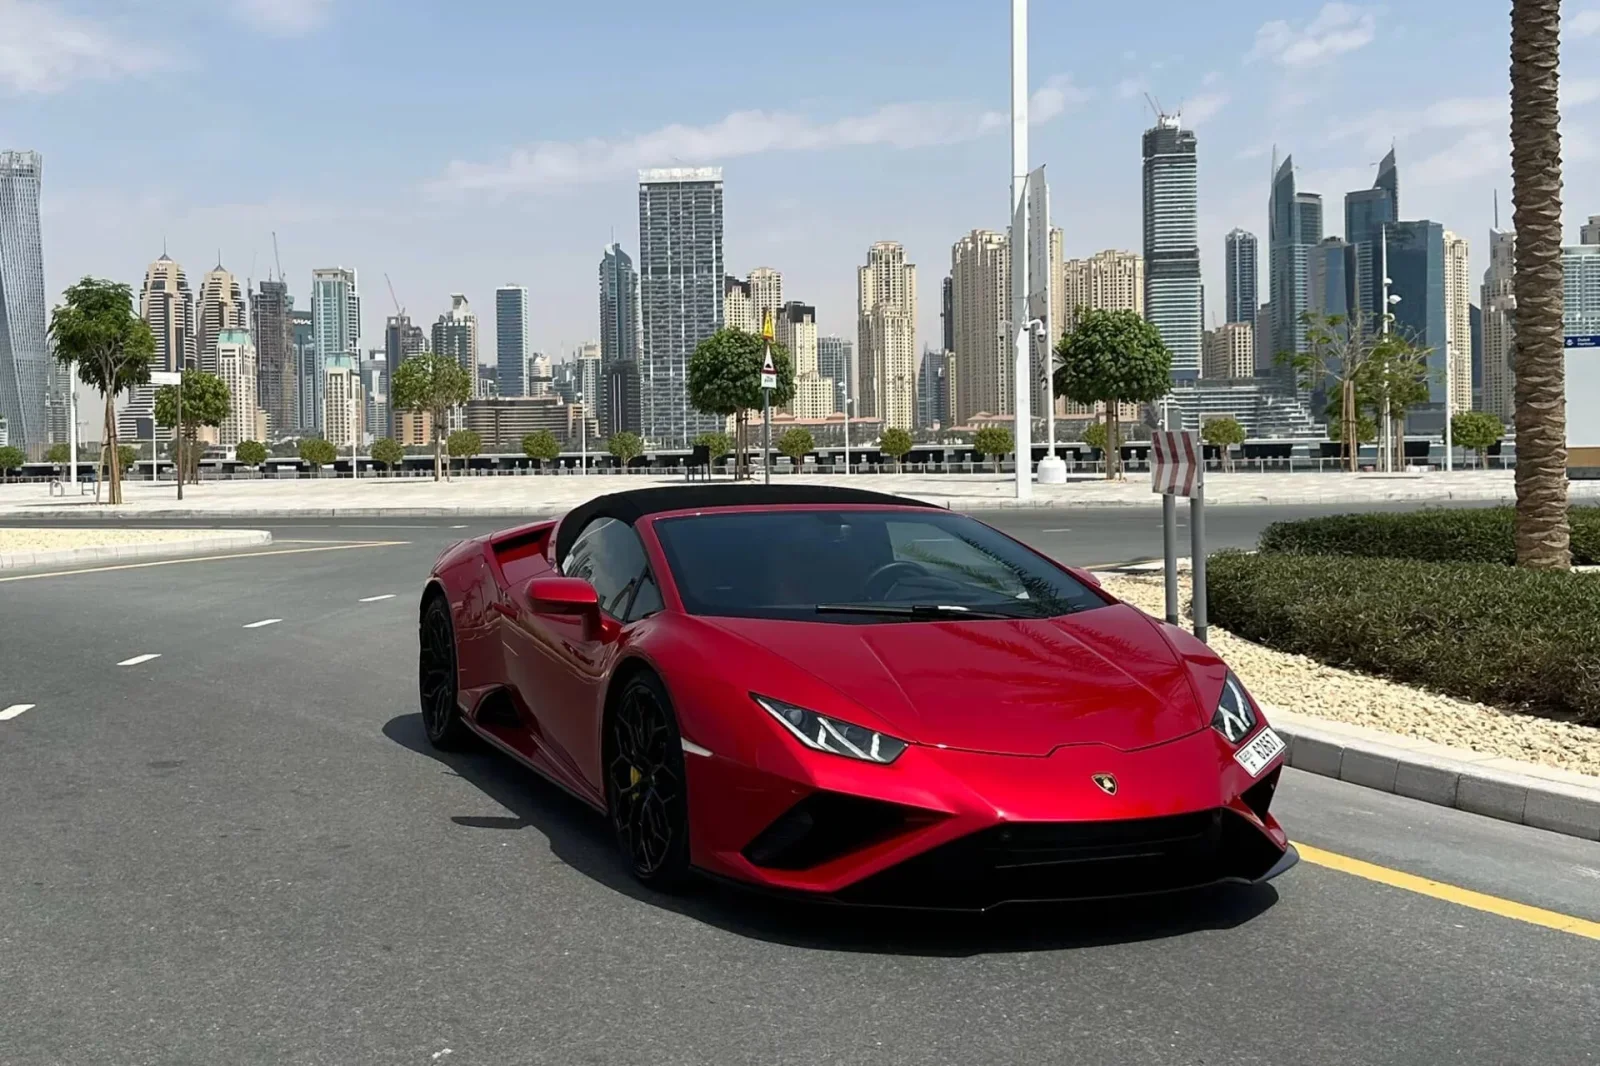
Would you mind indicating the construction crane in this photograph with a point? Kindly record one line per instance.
(276, 262)
(398, 310)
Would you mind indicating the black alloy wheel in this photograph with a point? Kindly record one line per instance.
(645, 784)
(436, 678)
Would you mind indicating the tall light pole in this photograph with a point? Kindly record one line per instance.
(583, 435)
(848, 400)
(1021, 333)
(72, 427)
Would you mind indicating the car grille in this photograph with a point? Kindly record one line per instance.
(1046, 861)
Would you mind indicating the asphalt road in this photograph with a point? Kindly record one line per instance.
(242, 851)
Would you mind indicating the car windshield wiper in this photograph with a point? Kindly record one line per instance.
(914, 610)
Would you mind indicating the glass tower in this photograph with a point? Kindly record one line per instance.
(511, 340)
(25, 373)
(1243, 277)
(1172, 295)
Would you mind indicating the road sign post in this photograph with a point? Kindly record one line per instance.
(769, 381)
(1178, 469)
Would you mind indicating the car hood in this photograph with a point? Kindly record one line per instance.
(1014, 687)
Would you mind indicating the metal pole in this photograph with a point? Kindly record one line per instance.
(847, 403)
(1449, 408)
(1169, 548)
(1197, 556)
(766, 436)
(1387, 466)
(1022, 377)
(178, 431)
(72, 427)
(583, 437)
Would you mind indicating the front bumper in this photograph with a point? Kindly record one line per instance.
(969, 831)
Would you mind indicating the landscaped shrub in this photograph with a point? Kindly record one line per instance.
(1496, 634)
(1467, 535)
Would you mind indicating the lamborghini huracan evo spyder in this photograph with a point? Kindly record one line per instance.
(850, 696)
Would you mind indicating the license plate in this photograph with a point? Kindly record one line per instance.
(1262, 749)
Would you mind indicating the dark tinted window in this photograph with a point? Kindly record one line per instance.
(609, 556)
(783, 564)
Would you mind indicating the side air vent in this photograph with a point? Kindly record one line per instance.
(824, 826)
(1258, 797)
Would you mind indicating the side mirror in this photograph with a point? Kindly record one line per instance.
(564, 595)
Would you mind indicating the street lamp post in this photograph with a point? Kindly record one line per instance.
(848, 400)
(583, 436)
(72, 429)
(1022, 377)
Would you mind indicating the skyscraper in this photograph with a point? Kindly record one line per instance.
(220, 306)
(1328, 282)
(307, 371)
(167, 306)
(375, 390)
(985, 359)
(235, 355)
(275, 370)
(766, 293)
(1458, 320)
(1589, 233)
(1106, 281)
(836, 363)
(796, 329)
(1295, 219)
(738, 309)
(619, 343)
(1416, 268)
(511, 339)
(25, 372)
(1172, 295)
(336, 325)
(1244, 277)
(947, 313)
(1366, 212)
(455, 334)
(1580, 266)
(680, 294)
(1231, 351)
(933, 389)
(886, 324)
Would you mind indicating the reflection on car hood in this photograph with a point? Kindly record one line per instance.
(1022, 687)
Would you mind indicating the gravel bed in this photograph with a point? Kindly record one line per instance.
(40, 540)
(1309, 687)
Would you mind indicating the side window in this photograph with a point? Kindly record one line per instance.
(609, 556)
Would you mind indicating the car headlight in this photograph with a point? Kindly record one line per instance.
(1234, 718)
(822, 733)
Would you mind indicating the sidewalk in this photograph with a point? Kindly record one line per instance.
(35, 549)
(516, 496)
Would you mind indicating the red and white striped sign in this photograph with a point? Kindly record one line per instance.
(1177, 467)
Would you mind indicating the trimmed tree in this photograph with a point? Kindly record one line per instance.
(96, 333)
(895, 443)
(251, 452)
(995, 442)
(1477, 431)
(1366, 430)
(1544, 537)
(1396, 377)
(796, 443)
(1339, 351)
(1225, 433)
(317, 453)
(725, 380)
(127, 455)
(434, 385)
(1094, 435)
(1112, 357)
(11, 458)
(205, 403)
(387, 450)
(464, 444)
(626, 447)
(541, 446)
(718, 444)
(57, 453)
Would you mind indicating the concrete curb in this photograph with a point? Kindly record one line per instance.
(1543, 797)
(221, 541)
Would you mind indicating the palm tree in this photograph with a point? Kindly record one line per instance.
(1543, 538)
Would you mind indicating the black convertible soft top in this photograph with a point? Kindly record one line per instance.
(634, 504)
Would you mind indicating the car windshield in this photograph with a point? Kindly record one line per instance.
(860, 567)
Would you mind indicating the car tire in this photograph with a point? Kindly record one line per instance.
(646, 787)
(437, 678)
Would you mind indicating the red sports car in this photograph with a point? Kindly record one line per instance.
(851, 696)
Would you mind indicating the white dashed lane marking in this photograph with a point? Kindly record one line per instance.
(263, 622)
(375, 599)
(14, 710)
(137, 659)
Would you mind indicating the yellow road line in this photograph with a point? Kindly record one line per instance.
(1464, 897)
(205, 559)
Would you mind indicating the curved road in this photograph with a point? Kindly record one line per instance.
(242, 851)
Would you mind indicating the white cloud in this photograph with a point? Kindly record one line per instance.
(1205, 106)
(1584, 23)
(744, 133)
(44, 49)
(1338, 28)
(1479, 152)
(285, 18)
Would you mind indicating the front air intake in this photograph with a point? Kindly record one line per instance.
(824, 826)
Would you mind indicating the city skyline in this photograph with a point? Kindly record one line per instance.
(811, 179)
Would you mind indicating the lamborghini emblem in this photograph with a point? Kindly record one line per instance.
(1107, 783)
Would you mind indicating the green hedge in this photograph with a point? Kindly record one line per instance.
(1468, 535)
(1495, 634)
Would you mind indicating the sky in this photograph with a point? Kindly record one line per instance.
(456, 147)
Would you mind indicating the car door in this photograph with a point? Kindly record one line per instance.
(565, 662)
